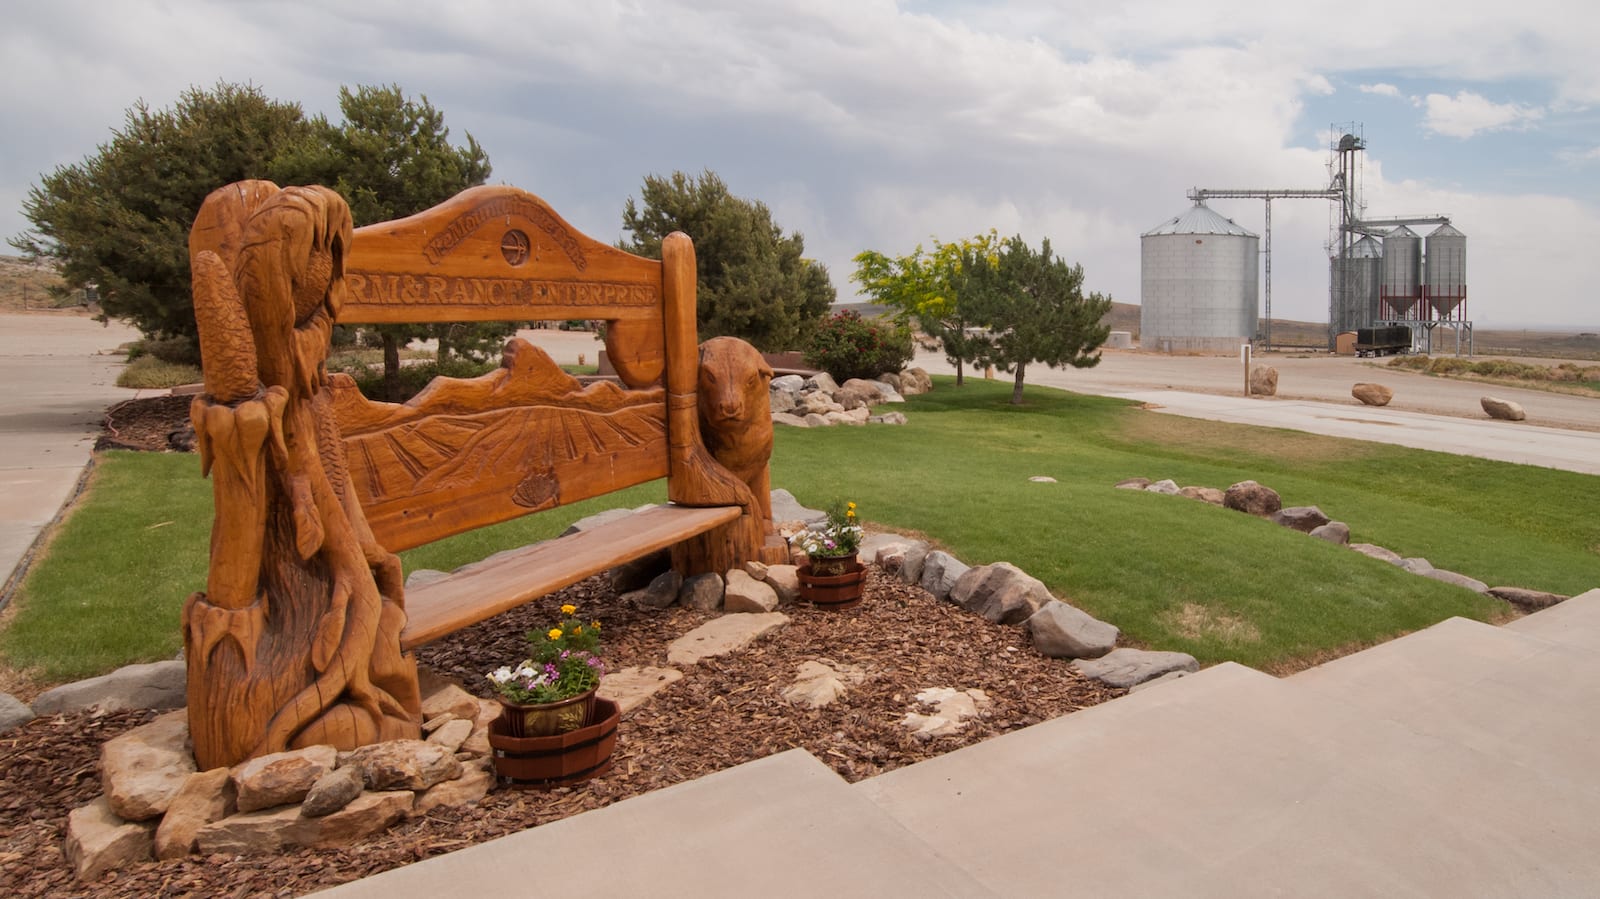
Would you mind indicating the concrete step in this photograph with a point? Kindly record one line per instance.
(1575, 622)
(1234, 784)
(1508, 694)
(784, 825)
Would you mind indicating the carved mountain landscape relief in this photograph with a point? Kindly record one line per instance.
(526, 436)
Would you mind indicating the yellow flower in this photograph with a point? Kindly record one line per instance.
(555, 633)
(850, 506)
(568, 609)
(595, 625)
(578, 629)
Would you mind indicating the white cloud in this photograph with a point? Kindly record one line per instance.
(1468, 113)
(1381, 89)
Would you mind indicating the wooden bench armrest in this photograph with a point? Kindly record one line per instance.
(483, 591)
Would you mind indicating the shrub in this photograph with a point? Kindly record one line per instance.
(149, 373)
(847, 346)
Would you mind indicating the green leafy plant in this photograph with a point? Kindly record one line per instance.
(562, 663)
(838, 537)
(846, 346)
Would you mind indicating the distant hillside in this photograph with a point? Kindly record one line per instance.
(25, 285)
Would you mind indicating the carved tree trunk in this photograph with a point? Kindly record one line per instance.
(295, 640)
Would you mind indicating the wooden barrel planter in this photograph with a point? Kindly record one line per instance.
(540, 763)
(833, 591)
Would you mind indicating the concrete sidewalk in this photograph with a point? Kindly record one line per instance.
(59, 377)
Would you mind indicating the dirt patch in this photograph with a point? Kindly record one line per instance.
(156, 424)
(724, 712)
(1197, 622)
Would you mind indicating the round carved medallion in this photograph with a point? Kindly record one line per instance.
(514, 246)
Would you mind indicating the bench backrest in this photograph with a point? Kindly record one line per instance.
(469, 452)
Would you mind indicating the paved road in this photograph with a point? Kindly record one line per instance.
(58, 382)
(1314, 396)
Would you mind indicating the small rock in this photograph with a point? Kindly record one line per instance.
(630, 687)
(1132, 484)
(788, 383)
(940, 571)
(823, 382)
(1377, 552)
(1252, 499)
(468, 789)
(452, 734)
(784, 581)
(1460, 580)
(1165, 487)
(1061, 631)
(1527, 600)
(282, 777)
(404, 765)
(157, 685)
(661, 593)
(889, 418)
(1372, 394)
(1127, 667)
(1505, 410)
(1416, 565)
(788, 420)
(821, 682)
(746, 594)
(1210, 495)
(951, 710)
(449, 700)
(702, 592)
(144, 768)
(206, 796)
(13, 712)
(722, 636)
(813, 420)
(755, 569)
(98, 841)
(1336, 532)
(1263, 381)
(335, 790)
(253, 833)
(1042, 479)
(1304, 519)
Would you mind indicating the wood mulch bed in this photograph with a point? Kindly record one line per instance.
(723, 712)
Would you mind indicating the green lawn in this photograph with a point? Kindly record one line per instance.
(1172, 573)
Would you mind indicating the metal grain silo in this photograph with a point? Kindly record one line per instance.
(1199, 283)
(1357, 279)
(1402, 274)
(1445, 270)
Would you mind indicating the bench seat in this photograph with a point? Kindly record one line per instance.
(482, 591)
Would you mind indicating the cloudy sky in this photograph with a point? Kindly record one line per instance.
(881, 124)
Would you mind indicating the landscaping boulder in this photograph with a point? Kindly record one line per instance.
(914, 381)
(1304, 519)
(252, 833)
(950, 710)
(1061, 631)
(1505, 410)
(1378, 552)
(1527, 600)
(156, 685)
(1165, 487)
(98, 841)
(1001, 593)
(888, 418)
(792, 421)
(857, 394)
(449, 699)
(13, 712)
(1263, 381)
(784, 581)
(206, 796)
(722, 636)
(403, 765)
(334, 790)
(281, 778)
(1372, 394)
(468, 789)
(940, 571)
(1204, 494)
(452, 734)
(820, 682)
(661, 592)
(744, 593)
(702, 592)
(1336, 532)
(1252, 499)
(1128, 667)
(1416, 565)
(1460, 580)
(1132, 484)
(785, 508)
(144, 768)
(821, 382)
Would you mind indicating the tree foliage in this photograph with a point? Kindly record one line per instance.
(752, 280)
(918, 288)
(120, 218)
(1033, 304)
(391, 157)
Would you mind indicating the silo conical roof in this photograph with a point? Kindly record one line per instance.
(1198, 219)
(1366, 248)
(1445, 230)
(1402, 232)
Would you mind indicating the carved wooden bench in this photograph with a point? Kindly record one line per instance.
(300, 636)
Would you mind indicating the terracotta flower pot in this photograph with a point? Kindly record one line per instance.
(546, 719)
(833, 591)
(541, 763)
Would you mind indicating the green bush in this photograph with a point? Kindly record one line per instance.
(415, 377)
(848, 346)
(149, 373)
(172, 350)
